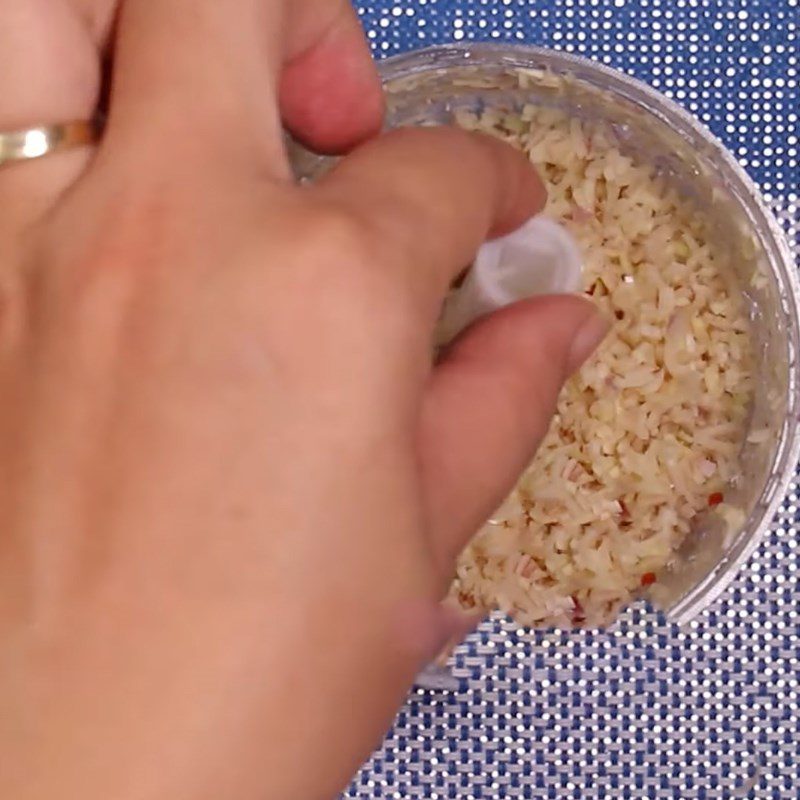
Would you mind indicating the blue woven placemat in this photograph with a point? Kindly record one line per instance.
(645, 710)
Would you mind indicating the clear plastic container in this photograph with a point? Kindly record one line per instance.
(427, 86)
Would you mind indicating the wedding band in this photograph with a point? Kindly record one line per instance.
(36, 142)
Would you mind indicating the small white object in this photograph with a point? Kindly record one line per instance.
(538, 258)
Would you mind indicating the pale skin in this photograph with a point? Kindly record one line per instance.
(233, 484)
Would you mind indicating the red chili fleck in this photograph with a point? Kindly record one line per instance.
(623, 508)
(648, 579)
(715, 499)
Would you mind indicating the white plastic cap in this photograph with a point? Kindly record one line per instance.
(538, 258)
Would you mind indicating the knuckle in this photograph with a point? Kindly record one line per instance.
(94, 272)
(122, 237)
(357, 270)
(351, 239)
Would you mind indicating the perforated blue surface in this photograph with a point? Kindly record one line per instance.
(645, 710)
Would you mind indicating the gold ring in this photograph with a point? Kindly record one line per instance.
(36, 142)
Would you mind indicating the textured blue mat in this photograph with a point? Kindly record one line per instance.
(645, 710)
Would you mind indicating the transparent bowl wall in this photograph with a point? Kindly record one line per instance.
(426, 87)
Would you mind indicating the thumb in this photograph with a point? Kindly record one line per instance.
(490, 402)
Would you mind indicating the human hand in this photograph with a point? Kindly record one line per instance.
(233, 484)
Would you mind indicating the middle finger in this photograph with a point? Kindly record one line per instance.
(196, 82)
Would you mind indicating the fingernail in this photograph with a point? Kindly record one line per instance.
(590, 333)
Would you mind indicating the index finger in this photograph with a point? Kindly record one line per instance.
(219, 79)
(437, 194)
